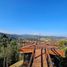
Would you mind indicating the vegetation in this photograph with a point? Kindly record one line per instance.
(62, 44)
(8, 51)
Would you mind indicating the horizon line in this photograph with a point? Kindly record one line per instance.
(30, 34)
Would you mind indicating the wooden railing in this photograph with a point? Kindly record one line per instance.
(18, 64)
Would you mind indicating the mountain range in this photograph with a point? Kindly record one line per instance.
(27, 36)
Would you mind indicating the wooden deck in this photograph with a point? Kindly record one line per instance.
(40, 55)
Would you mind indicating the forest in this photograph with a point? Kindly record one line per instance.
(8, 51)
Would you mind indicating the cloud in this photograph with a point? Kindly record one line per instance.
(33, 33)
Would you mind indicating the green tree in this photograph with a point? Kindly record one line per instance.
(8, 50)
(5, 41)
(14, 47)
(62, 43)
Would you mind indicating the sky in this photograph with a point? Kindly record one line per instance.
(41, 17)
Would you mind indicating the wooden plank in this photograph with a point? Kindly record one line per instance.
(37, 59)
(51, 52)
(18, 64)
(44, 58)
(27, 50)
(48, 58)
(59, 52)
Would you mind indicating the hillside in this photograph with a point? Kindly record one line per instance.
(26, 36)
